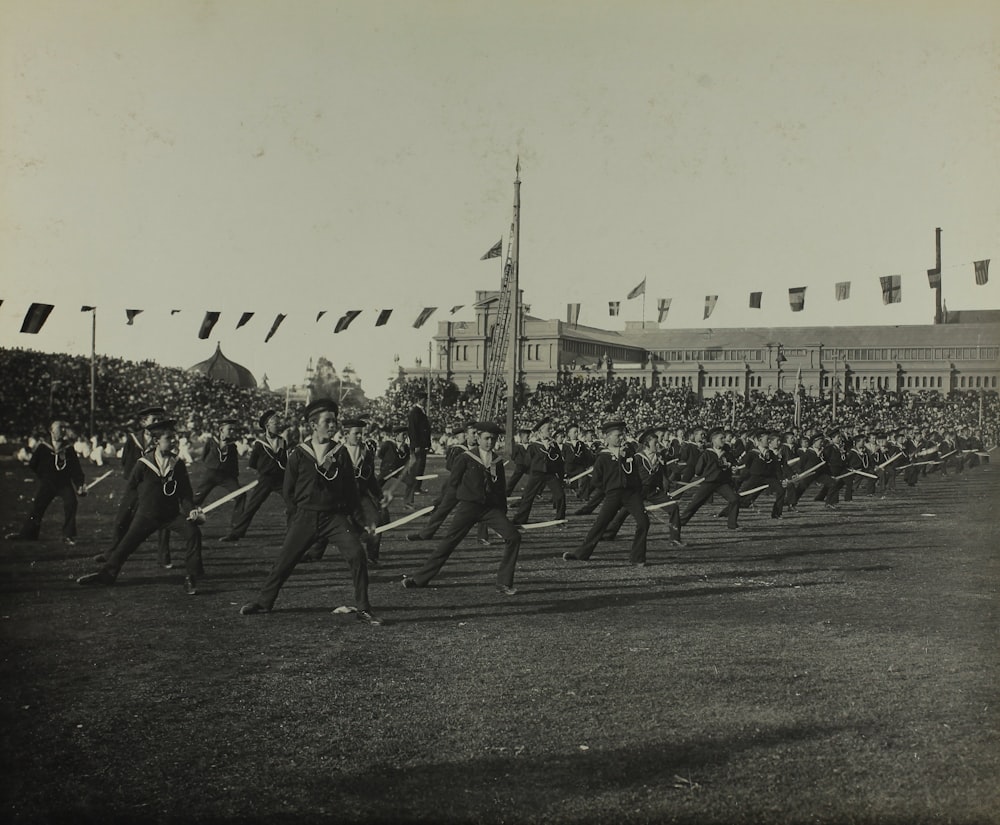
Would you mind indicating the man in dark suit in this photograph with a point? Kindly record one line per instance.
(418, 429)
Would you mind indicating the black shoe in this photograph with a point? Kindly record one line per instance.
(414, 537)
(252, 608)
(372, 562)
(570, 557)
(832, 506)
(229, 538)
(189, 587)
(100, 558)
(69, 541)
(638, 564)
(484, 542)
(677, 543)
(506, 590)
(368, 617)
(409, 583)
(99, 579)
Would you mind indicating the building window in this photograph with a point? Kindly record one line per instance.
(738, 381)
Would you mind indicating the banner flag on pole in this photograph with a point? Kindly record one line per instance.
(425, 313)
(494, 251)
(639, 289)
(982, 271)
(934, 278)
(456, 308)
(710, 301)
(572, 314)
(274, 327)
(843, 290)
(345, 320)
(613, 307)
(130, 315)
(755, 300)
(320, 314)
(87, 309)
(892, 289)
(246, 316)
(797, 298)
(209, 321)
(35, 318)
(383, 317)
(662, 308)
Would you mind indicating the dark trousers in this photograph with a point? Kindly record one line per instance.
(142, 527)
(704, 492)
(305, 527)
(830, 488)
(252, 502)
(213, 480)
(615, 500)
(418, 464)
(591, 504)
(515, 477)
(43, 498)
(536, 481)
(374, 514)
(773, 486)
(886, 479)
(672, 513)
(123, 520)
(467, 513)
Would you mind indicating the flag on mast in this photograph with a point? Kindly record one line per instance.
(639, 289)
(982, 271)
(494, 251)
(662, 308)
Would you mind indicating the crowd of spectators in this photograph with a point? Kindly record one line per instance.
(35, 388)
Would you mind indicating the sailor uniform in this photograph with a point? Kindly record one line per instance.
(164, 499)
(481, 491)
(326, 503)
(59, 475)
(717, 470)
(269, 458)
(617, 478)
(544, 470)
(223, 470)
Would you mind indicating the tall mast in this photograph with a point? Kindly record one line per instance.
(515, 310)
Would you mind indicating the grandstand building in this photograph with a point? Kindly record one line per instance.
(959, 355)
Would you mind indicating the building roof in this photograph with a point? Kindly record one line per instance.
(921, 335)
(220, 368)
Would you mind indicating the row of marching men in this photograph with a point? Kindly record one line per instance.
(333, 492)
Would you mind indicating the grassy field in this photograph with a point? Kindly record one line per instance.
(833, 667)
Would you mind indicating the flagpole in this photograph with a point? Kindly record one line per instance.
(938, 314)
(515, 341)
(93, 367)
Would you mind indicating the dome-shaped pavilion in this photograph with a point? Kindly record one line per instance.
(220, 368)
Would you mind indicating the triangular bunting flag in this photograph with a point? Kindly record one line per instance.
(383, 317)
(456, 308)
(274, 327)
(174, 311)
(246, 316)
(843, 290)
(662, 308)
(130, 315)
(35, 318)
(613, 307)
(320, 314)
(637, 290)
(209, 321)
(572, 314)
(710, 301)
(755, 300)
(892, 289)
(87, 309)
(345, 320)
(425, 313)
(494, 251)
(982, 271)
(797, 298)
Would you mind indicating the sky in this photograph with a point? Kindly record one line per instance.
(291, 157)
